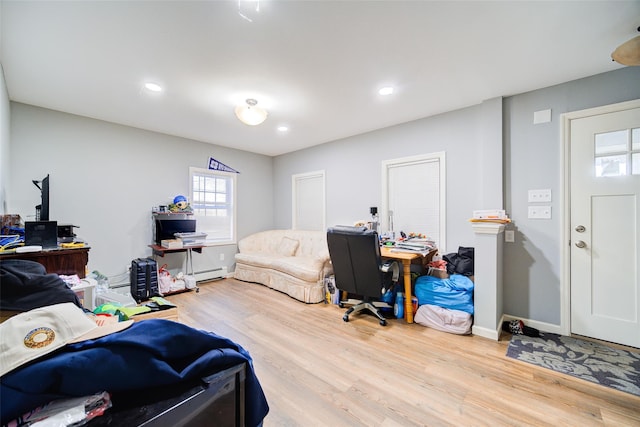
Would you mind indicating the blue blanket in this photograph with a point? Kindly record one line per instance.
(455, 293)
(148, 354)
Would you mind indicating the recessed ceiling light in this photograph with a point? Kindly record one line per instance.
(153, 87)
(387, 90)
(283, 128)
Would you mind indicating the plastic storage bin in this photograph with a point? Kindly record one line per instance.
(111, 297)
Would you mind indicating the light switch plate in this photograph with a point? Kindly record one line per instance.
(539, 212)
(509, 236)
(536, 196)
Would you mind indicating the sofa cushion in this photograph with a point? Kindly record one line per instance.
(305, 268)
(256, 259)
(288, 246)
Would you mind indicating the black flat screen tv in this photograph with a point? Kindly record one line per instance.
(42, 210)
(166, 228)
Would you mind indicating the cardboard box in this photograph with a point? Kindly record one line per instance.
(168, 314)
(171, 243)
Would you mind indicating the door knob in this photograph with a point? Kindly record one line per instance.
(581, 244)
(580, 229)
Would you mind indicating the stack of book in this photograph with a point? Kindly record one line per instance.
(192, 239)
(491, 215)
(421, 246)
(171, 243)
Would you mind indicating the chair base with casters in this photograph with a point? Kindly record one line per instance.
(366, 305)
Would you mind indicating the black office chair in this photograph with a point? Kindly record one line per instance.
(358, 267)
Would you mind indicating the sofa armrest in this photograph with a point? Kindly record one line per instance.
(252, 243)
(323, 255)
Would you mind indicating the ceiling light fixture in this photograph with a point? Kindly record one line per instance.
(153, 87)
(249, 8)
(283, 128)
(628, 53)
(387, 90)
(250, 114)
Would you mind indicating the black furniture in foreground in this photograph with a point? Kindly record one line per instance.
(218, 399)
(357, 266)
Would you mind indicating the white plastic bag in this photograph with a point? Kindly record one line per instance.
(189, 281)
(444, 319)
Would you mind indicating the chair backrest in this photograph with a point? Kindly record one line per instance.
(355, 256)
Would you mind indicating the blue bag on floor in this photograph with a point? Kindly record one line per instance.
(455, 293)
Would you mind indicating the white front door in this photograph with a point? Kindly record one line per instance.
(605, 226)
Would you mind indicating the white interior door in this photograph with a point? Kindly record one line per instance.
(413, 196)
(308, 197)
(605, 226)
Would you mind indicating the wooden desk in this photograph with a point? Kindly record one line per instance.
(60, 261)
(160, 251)
(406, 258)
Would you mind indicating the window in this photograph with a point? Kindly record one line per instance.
(617, 153)
(213, 196)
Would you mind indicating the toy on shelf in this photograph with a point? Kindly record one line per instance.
(180, 204)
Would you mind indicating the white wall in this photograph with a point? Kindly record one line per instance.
(5, 118)
(105, 178)
(353, 170)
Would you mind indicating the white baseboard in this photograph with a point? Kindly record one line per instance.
(216, 273)
(485, 332)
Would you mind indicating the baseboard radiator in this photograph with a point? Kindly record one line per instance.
(216, 273)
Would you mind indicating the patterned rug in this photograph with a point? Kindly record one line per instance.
(598, 363)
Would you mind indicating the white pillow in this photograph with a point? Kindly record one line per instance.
(288, 246)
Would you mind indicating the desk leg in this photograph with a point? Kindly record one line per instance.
(408, 305)
(189, 267)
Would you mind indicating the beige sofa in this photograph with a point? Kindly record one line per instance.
(291, 261)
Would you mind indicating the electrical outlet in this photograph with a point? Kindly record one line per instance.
(221, 257)
(539, 212)
(536, 196)
(509, 236)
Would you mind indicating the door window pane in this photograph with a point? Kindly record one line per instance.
(611, 165)
(635, 139)
(635, 163)
(611, 142)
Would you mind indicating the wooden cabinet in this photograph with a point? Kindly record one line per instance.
(59, 261)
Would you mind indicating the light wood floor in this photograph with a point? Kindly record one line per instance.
(317, 370)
